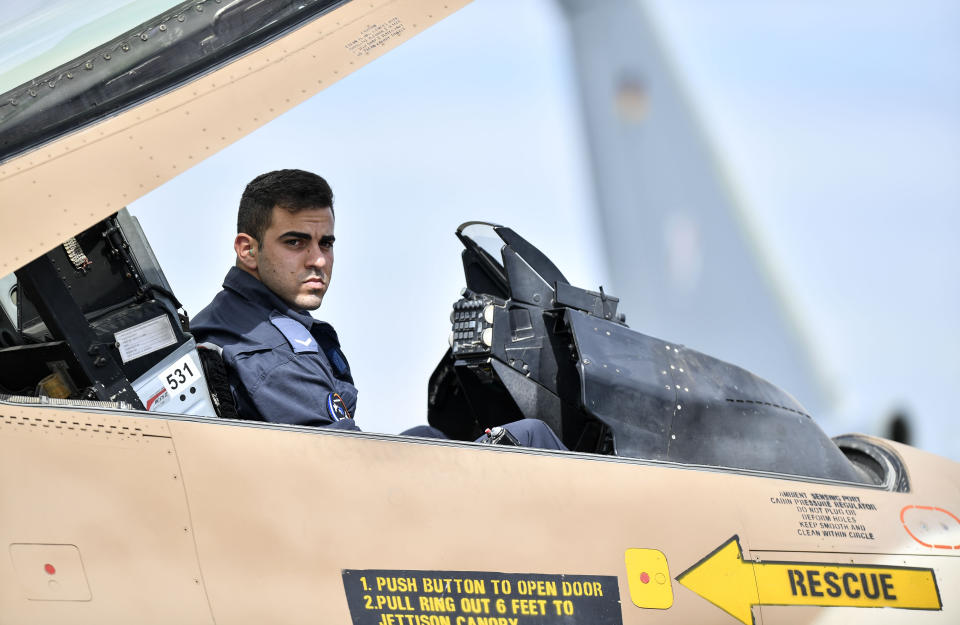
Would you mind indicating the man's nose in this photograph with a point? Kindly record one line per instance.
(317, 259)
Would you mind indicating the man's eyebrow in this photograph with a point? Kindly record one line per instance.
(296, 235)
(327, 239)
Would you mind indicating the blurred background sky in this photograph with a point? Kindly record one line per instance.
(836, 125)
(840, 123)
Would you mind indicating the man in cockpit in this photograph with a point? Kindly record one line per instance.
(283, 365)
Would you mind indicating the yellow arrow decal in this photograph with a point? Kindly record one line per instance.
(725, 580)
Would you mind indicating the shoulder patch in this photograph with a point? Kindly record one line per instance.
(300, 339)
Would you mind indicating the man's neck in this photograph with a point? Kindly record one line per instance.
(245, 269)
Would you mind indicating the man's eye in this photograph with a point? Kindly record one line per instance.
(327, 245)
(294, 242)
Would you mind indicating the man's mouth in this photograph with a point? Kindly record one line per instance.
(315, 282)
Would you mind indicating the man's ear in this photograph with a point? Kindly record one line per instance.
(246, 248)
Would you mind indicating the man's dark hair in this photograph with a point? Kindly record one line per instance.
(291, 189)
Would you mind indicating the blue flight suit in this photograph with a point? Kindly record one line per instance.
(284, 366)
(528, 432)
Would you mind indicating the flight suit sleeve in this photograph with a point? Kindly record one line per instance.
(292, 390)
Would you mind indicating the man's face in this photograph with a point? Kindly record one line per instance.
(295, 259)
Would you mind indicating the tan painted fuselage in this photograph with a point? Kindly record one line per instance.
(154, 519)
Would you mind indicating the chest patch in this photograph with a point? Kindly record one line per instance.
(336, 407)
(300, 339)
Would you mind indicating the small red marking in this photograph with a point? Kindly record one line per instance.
(49, 569)
(913, 536)
(645, 578)
(155, 398)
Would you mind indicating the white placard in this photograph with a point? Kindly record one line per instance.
(145, 338)
(177, 377)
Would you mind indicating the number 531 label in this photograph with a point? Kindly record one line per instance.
(178, 377)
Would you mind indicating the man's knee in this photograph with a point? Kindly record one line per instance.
(535, 433)
(424, 431)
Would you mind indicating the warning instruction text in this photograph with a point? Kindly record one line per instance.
(829, 516)
(387, 597)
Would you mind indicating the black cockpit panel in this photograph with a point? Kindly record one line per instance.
(525, 343)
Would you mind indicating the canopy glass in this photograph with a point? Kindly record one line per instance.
(37, 36)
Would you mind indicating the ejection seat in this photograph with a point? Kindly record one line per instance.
(95, 319)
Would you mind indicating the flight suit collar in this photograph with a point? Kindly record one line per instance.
(254, 291)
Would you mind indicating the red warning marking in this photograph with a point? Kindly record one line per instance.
(49, 568)
(914, 536)
(645, 578)
(155, 398)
